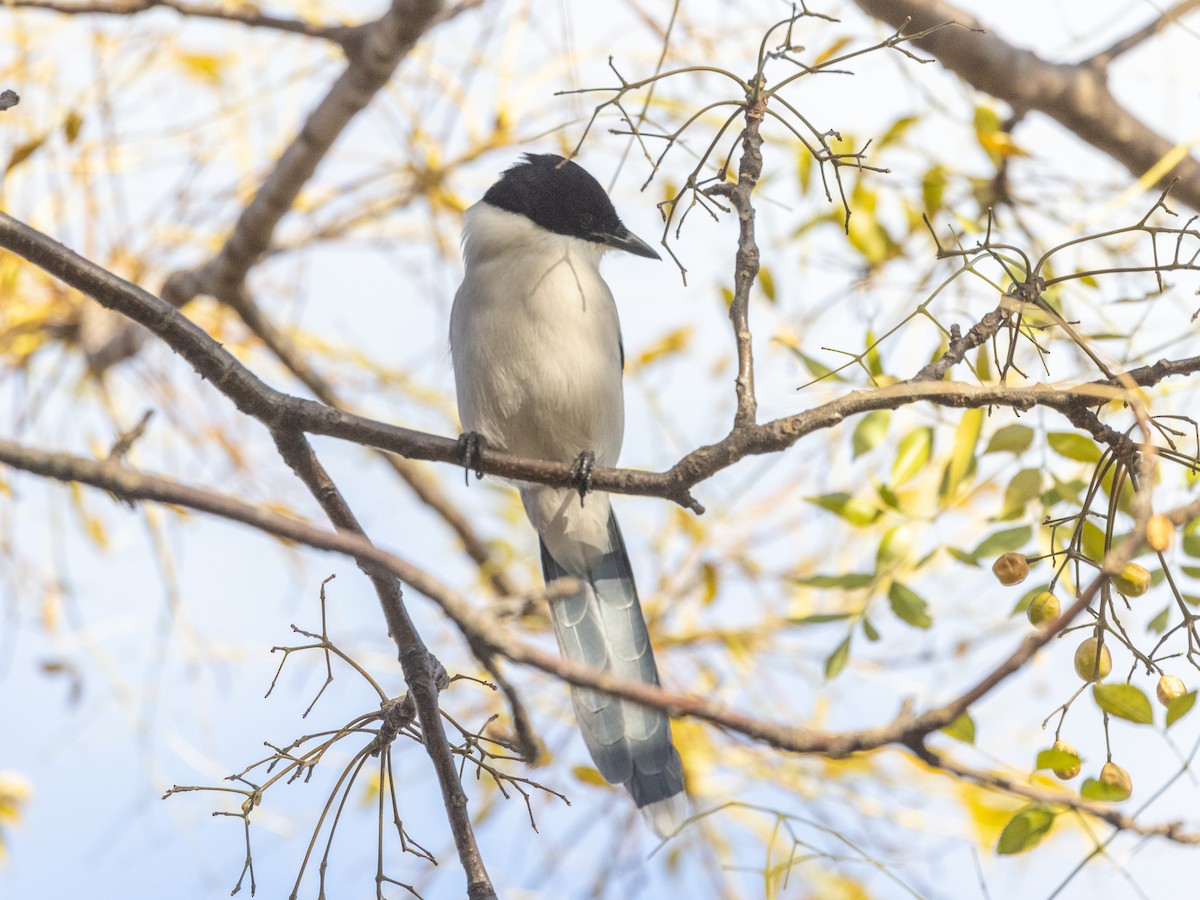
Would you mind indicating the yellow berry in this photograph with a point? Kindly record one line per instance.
(1160, 531)
(1114, 776)
(1072, 771)
(1132, 580)
(1085, 660)
(1011, 568)
(1170, 688)
(1044, 609)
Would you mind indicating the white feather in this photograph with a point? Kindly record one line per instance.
(535, 340)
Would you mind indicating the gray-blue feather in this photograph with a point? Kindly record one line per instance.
(602, 625)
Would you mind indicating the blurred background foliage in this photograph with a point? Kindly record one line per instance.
(830, 586)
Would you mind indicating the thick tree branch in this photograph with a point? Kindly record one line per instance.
(275, 408)
(386, 42)
(245, 15)
(483, 630)
(376, 51)
(1075, 96)
(277, 412)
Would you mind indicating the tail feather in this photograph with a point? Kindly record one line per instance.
(602, 625)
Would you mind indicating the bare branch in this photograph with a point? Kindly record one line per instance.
(1075, 96)
(255, 398)
(1105, 57)
(481, 628)
(245, 15)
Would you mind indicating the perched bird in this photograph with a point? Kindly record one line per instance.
(537, 357)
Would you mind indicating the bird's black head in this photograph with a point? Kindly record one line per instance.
(562, 197)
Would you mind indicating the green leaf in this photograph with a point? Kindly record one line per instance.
(818, 618)
(895, 547)
(1091, 789)
(1056, 759)
(1125, 702)
(1013, 439)
(1191, 543)
(966, 437)
(766, 281)
(908, 606)
(1024, 487)
(1025, 830)
(804, 164)
(1074, 446)
(961, 729)
(854, 510)
(1158, 624)
(1003, 541)
(888, 496)
(870, 431)
(850, 581)
(869, 630)
(837, 659)
(915, 449)
(872, 356)
(933, 188)
(817, 368)
(896, 131)
(1180, 707)
(1093, 542)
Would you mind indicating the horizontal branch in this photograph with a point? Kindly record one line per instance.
(483, 630)
(247, 15)
(278, 409)
(1105, 812)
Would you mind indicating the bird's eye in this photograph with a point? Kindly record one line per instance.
(587, 220)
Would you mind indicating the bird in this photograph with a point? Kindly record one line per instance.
(538, 361)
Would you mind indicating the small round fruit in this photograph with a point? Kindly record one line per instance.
(1068, 773)
(1044, 609)
(1114, 776)
(1160, 531)
(1132, 580)
(1085, 660)
(1011, 568)
(1170, 688)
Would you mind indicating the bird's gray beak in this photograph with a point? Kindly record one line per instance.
(629, 242)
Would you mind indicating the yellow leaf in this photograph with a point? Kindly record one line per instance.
(23, 151)
(71, 126)
(589, 775)
(51, 609)
(831, 51)
(708, 572)
(14, 791)
(1001, 144)
(202, 66)
(966, 437)
(669, 344)
(766, 281)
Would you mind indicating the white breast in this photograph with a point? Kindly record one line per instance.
(535, 340)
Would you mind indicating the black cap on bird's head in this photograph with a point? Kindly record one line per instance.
(562, 197)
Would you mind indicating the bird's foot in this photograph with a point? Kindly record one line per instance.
(581, 473)
(471, 445)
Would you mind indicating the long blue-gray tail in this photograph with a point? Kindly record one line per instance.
(602, 625)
